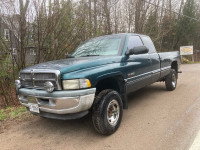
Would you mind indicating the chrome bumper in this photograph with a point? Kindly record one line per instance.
(58, 102)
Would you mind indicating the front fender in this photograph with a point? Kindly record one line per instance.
(108, 75)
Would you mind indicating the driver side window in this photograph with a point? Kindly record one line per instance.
(134, 41)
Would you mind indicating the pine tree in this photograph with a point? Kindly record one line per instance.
(186, 26)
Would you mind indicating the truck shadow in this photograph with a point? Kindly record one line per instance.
(146, 93)
(80, 128)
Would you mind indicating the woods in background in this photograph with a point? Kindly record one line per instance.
(53, 28)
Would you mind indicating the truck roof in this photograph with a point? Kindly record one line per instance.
(124, 34)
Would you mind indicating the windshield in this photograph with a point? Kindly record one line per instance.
(99, 47)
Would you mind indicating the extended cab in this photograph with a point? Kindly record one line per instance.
(96, 78)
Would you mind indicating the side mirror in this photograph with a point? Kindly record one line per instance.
(137, 50)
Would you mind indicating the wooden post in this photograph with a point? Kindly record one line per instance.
(193, 58)
(181, 59)
(196, 56)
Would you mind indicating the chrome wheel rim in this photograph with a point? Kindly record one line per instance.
(174, 80)
(113, 111)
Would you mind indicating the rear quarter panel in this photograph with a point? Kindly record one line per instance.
(166, 59)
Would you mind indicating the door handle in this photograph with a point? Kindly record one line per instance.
(149, 59)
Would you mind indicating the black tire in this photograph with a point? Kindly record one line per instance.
(107, 100)
(171, 80)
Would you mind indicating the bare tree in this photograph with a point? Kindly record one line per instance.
(22, 32)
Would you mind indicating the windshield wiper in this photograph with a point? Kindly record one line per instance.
(69, 56)
(89, 55)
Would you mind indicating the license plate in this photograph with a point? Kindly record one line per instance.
(34, 108)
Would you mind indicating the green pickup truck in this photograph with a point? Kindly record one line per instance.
(96, 78)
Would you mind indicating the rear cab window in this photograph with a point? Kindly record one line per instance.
(149, 44)
(134, 41)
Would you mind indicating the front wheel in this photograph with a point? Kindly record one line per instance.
(171, 80)
(107, 112)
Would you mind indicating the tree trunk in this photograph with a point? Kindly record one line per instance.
(107, 13)
(95, 16)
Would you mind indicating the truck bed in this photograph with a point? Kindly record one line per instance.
(166, 58)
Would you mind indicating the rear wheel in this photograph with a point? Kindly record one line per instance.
(107, 112)
(171, 80)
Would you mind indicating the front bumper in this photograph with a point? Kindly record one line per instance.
(58, 102)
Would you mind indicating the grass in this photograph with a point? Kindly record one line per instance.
(190, 62)
(187, 61)
(13, 113)
(3, 115)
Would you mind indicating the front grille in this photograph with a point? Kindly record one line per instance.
(41, 83)
(26, 83)
(37, 79)
(25, 75)
(44, 76)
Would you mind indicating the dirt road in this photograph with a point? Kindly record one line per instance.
(156, 119)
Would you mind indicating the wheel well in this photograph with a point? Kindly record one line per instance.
(116, 83)
(174, 66)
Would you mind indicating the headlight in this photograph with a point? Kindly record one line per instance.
(76, 84)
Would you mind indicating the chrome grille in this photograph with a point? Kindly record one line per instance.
(25, 76)
(36, 79)
(41, 83)
(26, 83)
(44, 76)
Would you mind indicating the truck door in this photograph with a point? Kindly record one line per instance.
(155, 59)
(137, 67)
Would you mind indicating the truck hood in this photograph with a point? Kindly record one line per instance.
(73, 64)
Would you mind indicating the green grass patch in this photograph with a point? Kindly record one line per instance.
(3, 115)
(191, 62)
(13, 113)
